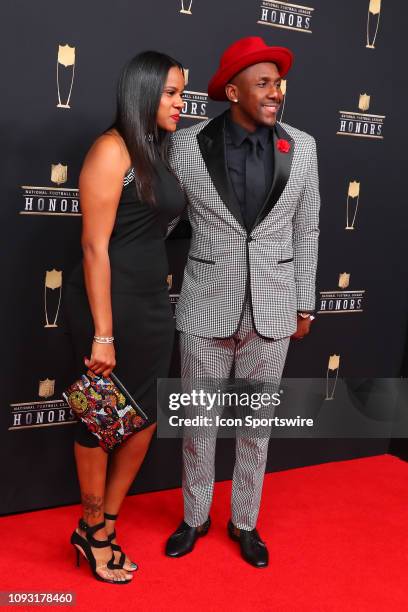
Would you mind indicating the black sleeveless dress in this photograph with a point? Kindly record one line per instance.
(143, 323)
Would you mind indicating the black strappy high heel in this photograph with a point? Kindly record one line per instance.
(84, 545)
(117, 548)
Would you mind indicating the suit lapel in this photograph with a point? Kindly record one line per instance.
(211, 141)
(282, 167)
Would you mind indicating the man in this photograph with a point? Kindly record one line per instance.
(249, 283)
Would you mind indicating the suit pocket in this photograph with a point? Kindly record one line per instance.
(204, 261)
(200, 270)
(281, 261)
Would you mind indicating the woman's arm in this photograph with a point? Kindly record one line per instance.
(100, 187)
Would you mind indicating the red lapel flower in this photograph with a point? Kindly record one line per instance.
(283, 145)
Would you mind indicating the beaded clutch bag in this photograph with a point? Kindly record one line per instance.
(106, 408)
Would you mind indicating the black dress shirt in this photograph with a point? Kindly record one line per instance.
(237, 148)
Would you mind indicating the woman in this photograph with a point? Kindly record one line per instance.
(128, 196)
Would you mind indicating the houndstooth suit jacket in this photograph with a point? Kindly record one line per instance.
(278, 257)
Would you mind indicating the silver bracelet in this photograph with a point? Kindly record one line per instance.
(104, 339)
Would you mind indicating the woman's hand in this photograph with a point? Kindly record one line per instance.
(102, 359)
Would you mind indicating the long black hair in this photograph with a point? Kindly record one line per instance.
(139, 92)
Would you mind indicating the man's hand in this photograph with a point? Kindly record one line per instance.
(303, 327)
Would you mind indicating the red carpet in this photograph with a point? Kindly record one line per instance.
(337, 535)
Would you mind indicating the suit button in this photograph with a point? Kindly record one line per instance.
(249, 239)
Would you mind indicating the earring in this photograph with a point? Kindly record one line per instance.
(235, 100)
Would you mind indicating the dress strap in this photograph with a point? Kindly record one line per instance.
(129, 177)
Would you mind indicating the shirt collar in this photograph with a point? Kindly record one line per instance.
(238, 134)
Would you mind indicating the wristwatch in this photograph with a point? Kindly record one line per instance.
(306, 315)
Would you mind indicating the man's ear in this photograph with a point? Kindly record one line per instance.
(231, 92)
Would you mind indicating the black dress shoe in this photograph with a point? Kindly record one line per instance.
(253, 550)
(182, 541)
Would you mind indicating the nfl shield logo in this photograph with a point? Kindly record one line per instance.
(364, 102)
(59, 173)
(46, 388)
(334, 362)
(66, 55)
(354, 189)
(344, 280)
(53, 279)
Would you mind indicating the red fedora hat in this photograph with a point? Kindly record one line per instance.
(243, 53)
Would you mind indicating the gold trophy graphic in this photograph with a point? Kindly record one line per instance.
(374, 9)
(352, 194)
(364, 102)
(59, 174)
(53, 280)
(46, 388)
(333, 366)
(183, 9)
(66, 58)
(283, 90)
(186, 72)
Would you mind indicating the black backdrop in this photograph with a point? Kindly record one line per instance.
(326, 94)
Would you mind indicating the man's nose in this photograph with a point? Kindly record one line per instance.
(274, 91)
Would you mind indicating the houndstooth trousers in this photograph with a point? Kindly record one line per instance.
(252, 357)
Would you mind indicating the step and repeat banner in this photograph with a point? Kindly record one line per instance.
(59, 72)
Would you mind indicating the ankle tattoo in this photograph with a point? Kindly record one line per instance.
(93, 506)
